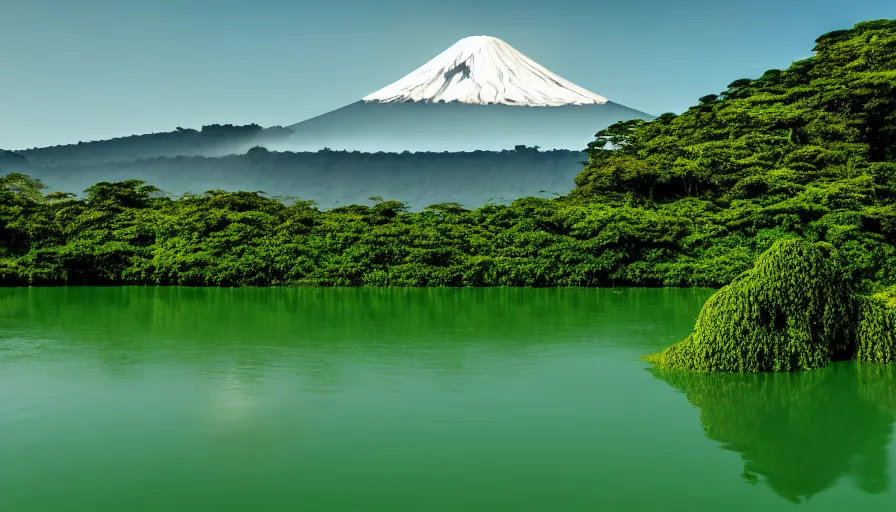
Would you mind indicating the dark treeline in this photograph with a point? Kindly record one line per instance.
(211, 140)
(683, 200)
(332, 178)
(12, 162)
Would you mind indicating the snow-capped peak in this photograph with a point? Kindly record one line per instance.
(484, 70)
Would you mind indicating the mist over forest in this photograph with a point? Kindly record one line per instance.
(333, 178)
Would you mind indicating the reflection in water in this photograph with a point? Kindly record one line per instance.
(312, 333)
(231, 401)
(800, 432)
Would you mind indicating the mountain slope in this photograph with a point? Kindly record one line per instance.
(479, 94)
(417, 126)
(485, 70)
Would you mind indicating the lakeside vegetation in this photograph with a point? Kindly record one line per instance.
(792, 311)
(683, 200)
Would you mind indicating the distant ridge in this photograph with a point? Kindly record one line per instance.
(10, 161)
(212, 140)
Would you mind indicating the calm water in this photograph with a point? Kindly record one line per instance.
(115, 399)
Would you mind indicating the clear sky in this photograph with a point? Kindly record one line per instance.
(76, 70)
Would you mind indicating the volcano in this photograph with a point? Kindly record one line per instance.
(479, 94)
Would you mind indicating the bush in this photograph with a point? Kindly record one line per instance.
(792, 311)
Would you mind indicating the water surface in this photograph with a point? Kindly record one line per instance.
(170, 399)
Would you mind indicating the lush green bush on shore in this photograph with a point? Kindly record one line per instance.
(684, 200)
(792, 311)
(876, 328)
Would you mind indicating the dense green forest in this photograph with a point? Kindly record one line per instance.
(682, 200)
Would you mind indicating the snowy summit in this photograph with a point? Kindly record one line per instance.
(484, 70)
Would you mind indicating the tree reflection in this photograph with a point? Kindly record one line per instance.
(799, 432)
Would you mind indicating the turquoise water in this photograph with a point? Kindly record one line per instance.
(168, 399)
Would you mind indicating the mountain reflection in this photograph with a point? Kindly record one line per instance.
(799, 432)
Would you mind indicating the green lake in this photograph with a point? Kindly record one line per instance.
(181, 399)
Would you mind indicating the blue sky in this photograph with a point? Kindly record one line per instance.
(77, 70)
